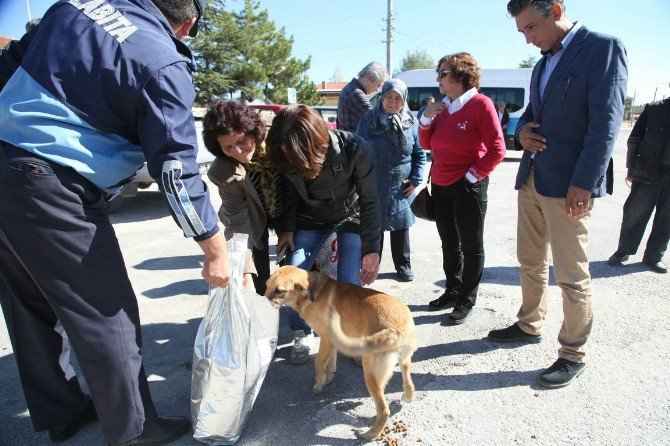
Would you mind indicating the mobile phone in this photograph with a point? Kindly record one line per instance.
(281, 255)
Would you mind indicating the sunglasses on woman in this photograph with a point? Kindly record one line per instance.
(442, 73)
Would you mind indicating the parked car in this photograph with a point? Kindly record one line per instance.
(329, 114)
(267, 111)
(143, 180)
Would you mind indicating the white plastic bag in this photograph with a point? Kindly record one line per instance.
(233, 350)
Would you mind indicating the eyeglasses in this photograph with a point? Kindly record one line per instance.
(442, 73)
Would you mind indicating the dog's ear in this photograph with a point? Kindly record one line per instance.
(304, 288)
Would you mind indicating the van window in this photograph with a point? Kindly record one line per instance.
(513, 97)
(416, 96)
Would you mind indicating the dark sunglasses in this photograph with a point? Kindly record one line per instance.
(442, 73)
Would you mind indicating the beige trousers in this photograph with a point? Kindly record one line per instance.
(543, 223)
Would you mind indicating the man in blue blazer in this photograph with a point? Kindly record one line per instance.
(567, 132)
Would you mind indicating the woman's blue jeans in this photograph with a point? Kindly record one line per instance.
(307, 245)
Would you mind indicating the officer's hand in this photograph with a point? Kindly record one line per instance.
(216, 267)
(216, 271)
(530, 140)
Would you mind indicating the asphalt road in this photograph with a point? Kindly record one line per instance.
(469, 391)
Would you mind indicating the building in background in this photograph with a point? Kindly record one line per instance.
(330, 91)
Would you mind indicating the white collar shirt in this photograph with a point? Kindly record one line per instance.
(452, 106)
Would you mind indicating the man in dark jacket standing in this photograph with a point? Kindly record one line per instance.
(96, 89)
(353, 102)
(648, 163)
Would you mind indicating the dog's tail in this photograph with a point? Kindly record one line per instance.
(386, 339)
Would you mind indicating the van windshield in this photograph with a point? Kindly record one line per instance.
(513, 97)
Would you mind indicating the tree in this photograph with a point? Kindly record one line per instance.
(242, 53)
(528, 63)
(417, 60)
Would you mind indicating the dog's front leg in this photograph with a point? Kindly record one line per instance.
(321, 364)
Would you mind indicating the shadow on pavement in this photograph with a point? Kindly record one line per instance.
(473, 382)
(171, 263)
(602, 270)
(191, 287)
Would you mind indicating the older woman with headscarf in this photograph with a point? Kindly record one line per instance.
(392, 131)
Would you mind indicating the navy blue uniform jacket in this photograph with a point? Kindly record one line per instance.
(101, 86)
(580, 115)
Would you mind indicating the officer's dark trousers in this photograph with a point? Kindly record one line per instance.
(63, 284)
(637, 210)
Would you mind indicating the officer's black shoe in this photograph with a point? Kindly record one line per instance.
(561, 373)
(446, 300)
(657, 267)
(165, 430)
(460, 314)
(62, 433)
(617, 259)
(512, 334)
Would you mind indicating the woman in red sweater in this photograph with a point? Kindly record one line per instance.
(464, 134)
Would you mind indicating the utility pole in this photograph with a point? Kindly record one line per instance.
(390, 27)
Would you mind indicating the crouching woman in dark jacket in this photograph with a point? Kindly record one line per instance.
(331, 187)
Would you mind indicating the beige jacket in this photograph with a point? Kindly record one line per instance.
(241, 210)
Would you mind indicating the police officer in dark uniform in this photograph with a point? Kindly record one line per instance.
(96, 89)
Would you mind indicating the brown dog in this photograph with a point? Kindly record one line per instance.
(356, 322)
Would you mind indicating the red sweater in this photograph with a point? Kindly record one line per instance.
(470, 138)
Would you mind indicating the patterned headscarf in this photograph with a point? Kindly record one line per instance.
(378, 122)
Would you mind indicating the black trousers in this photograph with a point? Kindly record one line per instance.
(262, 263)
(637, 210)
(63, 283)
(400, 251)
(460, 209)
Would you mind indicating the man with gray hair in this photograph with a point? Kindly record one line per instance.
(354, 102)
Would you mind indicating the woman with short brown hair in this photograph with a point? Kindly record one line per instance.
(250, 190)
(464, 134)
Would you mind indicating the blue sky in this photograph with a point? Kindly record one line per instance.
(344, 35)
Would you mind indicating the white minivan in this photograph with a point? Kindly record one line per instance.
(511, 86)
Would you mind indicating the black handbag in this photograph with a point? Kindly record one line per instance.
(422, 206)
